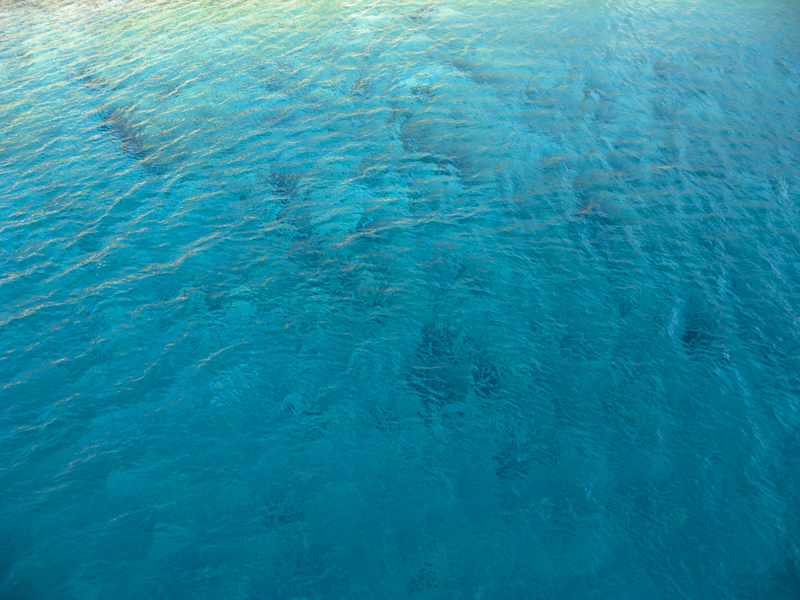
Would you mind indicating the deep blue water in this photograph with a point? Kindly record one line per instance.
(457, 300)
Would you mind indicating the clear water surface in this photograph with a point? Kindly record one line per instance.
(391, 299)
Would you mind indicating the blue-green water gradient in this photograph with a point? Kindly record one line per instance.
(392, 299)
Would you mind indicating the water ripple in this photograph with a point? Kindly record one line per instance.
(447, 299)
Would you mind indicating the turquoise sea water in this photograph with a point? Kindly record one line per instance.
(446, 300)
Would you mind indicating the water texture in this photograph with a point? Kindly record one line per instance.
(445, 300)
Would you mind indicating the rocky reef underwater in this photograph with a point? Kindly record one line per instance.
(436, 300)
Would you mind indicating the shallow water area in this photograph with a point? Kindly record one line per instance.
(435, 300)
